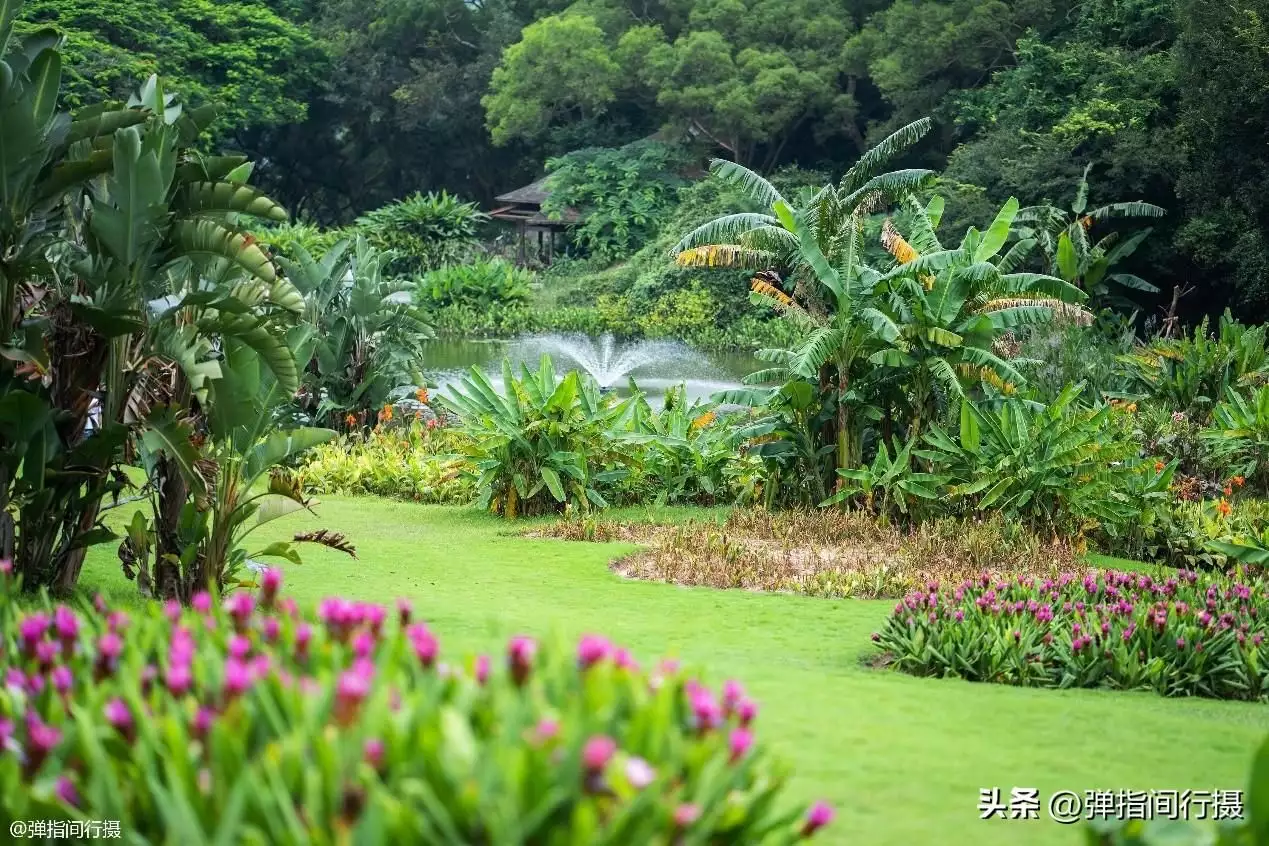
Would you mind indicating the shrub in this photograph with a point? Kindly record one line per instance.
(480, 284)
(1184, 635)
(246, 723)
(542, 443)
(416, 463)
(424, 231)
(1240, 432)
(621, 194)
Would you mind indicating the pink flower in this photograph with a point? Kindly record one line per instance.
(482, 668)
(597, 752)
(62, 679)
(109, 646)
(363, 645)
(201, 602)
(592, 649)
(65, 791)
(686, 814)
(271, 629)
(241, 606)
(746, 711)
(546, 730)
(270, 583)
(520, 652)
(303, 634)
(66, 624)
(424, 642)
(118, 715)
(41, 740)
(732, 694)
(373, 751)
(639, 773)
(352, 689)
(374, 616)
(741, 741)
(819, 815)
(178, 679)
(172, 610)
(706, 710)
(239, 647)
(46, 653)
(203, 721)
(31, 630)
(405, 610)
(237, 678)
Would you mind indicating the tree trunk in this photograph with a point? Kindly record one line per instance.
(172, 496)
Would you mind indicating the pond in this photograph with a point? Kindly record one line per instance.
(655, 366)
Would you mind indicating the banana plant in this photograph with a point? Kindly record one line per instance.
(1240, 433)
(1064, 238)
(941, 312)
(889, 486)
(543, 443)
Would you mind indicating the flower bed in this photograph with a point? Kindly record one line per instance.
(1183, 635)
(247, 723)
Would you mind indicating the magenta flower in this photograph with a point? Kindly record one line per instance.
(203, 721)
(303, 634)
(686, 814)
(62, 679)
(118, 715)
(31, 630)
(178, 679)
(740, 742)
(270, 584)
(353, 687)
(373, 751)
(109, 647)
(424, 642)
(42, 739)
(65, 791)
(1180, 643)
(705, 709)
(6, 566)
(237, 678)
(46, 653)
(363, 644)
(405, 611)
(597, 752)
(733, 692)
(520, 652)
(271, 629)
(546, 730)
(592, 649)
(172, 610)
(201, 602)
(374, 616)
(819, 815)
(65, 624)
(482, 668)
(746, 710)
(241, 606)
(239, 647)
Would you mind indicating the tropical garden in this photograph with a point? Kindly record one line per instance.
(980, 500)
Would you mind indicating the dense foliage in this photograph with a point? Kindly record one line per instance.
(1178, 635)
(351, 105)
(273, 728)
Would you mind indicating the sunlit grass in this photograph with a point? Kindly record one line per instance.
(901, 758)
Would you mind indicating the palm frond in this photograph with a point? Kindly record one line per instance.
(723, 230)
(753, 184)
(1136, 209)
(872, 162)
(1024, 310)
(724, 256)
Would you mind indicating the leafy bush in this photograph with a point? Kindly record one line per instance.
(246, 723)
(541, 444)
(420, 463)
(424, 231)
(621, 193)
(1183, 635)
(1240, 432)
(288, 238)
(480, 285)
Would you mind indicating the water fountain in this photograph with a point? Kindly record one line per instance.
(656, 366)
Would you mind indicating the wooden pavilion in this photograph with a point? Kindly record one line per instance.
(523, 207)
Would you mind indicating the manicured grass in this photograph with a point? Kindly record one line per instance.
(901, 758)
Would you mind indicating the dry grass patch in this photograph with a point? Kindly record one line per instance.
(822, 553)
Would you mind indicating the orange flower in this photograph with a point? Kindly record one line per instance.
(1224, 508)
(350, 420)
(1228, 491)
(1131, 408)
(1158, 466)
(418, 415)
(421, 395)
(385, 414)
(1238, 481)
(704, 420)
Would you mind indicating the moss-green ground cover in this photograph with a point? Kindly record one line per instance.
(902, 759)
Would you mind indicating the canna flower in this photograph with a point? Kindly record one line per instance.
(1158, 466)
(819, 815)
(1228, 490)
(421, 395)
(350, 420)
(1224, 508)
(1237, 481)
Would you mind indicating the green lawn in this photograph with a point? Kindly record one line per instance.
(901, 758)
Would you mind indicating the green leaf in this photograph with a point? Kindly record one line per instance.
(971, 434)
(219, 198)
(998, 233)
(552, 480)
(167, 434)
(1067, 261)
